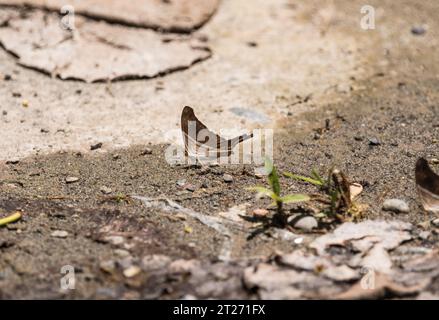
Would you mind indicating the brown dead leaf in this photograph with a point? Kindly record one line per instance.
(389, 233)
(273, 282)
(381, 286)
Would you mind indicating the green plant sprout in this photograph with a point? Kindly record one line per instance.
(336, 189)
(275, 193)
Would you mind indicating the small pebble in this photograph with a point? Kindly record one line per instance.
(59, 234)
(72, 179)
(181, 182)
(121, 253)
(106, 190)
(396, 205)
(228, 178)
(424, 235)
(306, 223)
(190, 187)
(131, 271)
(435, 222)
(435, 161)
(146, 151)
(374, 142)
(108, 266)
(116, 240)
(418, 30)
(155, 262)
(260, 213)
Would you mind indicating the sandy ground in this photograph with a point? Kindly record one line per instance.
(379, 84)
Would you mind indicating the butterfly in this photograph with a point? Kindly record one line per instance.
(427, 183)
(201, 143)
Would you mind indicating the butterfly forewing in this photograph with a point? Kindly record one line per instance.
(427, 183)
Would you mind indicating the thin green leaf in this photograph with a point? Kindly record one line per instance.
(294, 198)
(317, 176)
(273, 177)
(303, 178)
(264, 191)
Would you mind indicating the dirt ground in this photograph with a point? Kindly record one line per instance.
(369, 85)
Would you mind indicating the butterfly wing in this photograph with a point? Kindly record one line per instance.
(200, 141)
(427, 183)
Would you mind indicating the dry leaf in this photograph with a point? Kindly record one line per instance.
(355, 190)
(389, 233)
(380, 286)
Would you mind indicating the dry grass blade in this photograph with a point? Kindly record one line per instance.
(12, 218)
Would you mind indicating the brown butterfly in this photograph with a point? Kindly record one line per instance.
(427, 183)
(199, 141)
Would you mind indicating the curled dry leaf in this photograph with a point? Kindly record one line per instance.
(427, 183)
(178, 16)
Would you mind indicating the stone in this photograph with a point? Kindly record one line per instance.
(116, 240)
(155, 262)
(260, 213)
(306, 223)
(146, 151)
(374, 142)
(121, 253)
(131, 271)
(396, 205)
(59, 234)
(108, 266)
(418, 30)
(228, 178)
(106, 190)
(72, 179)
